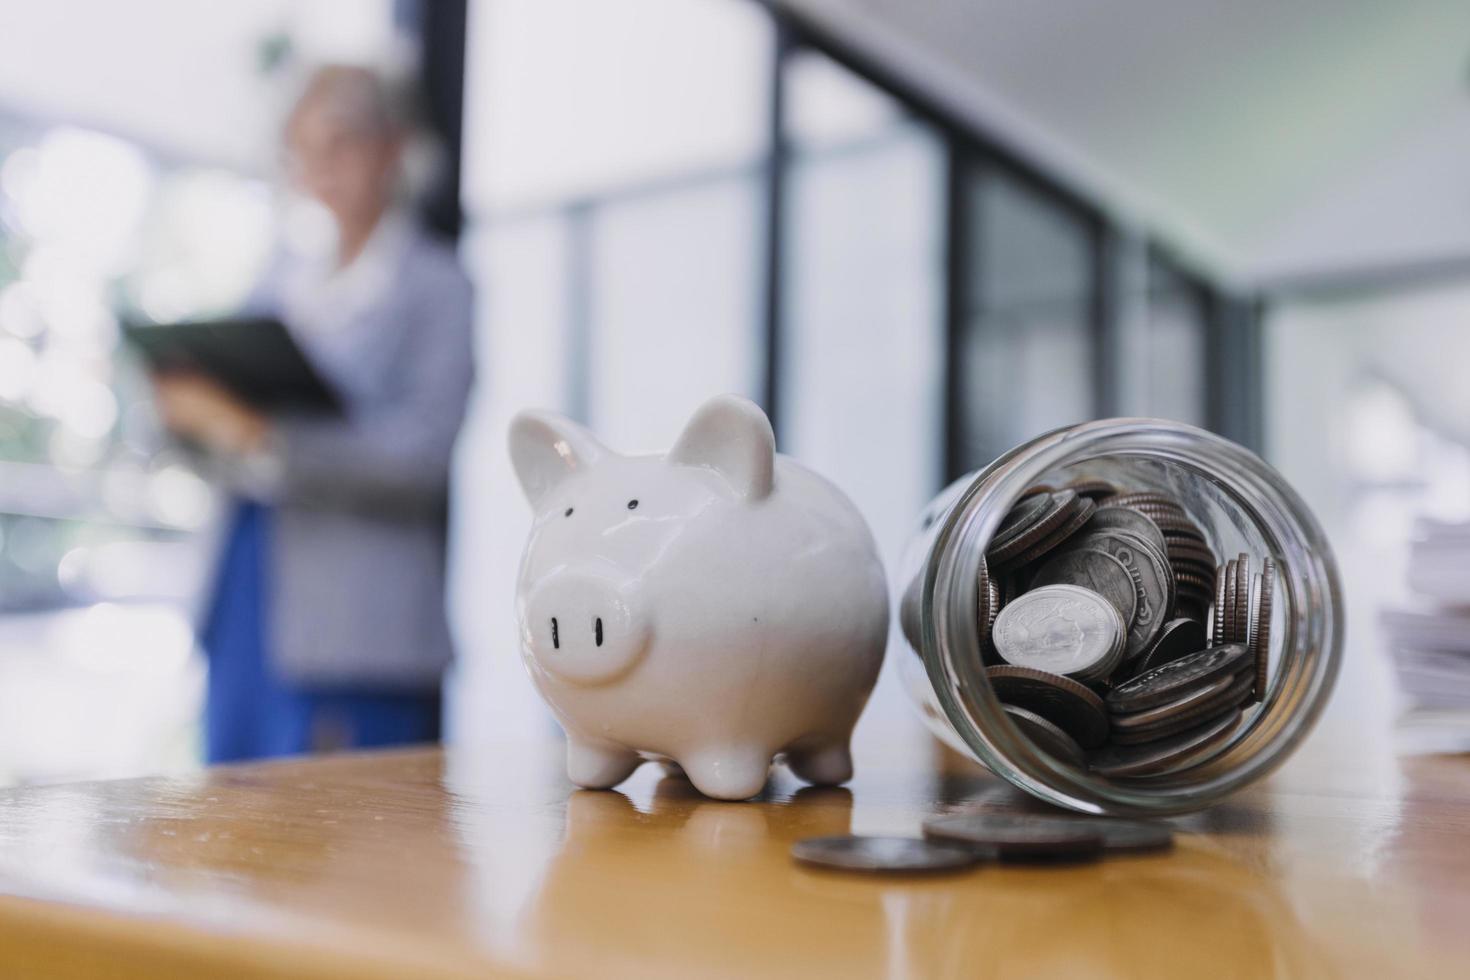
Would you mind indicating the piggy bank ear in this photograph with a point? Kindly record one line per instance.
(733, 437)
(546, 448)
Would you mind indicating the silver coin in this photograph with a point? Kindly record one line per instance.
(1168, 681)
(1061, 629)
(1133, 836)
(1021, 517)
(1014, 835)
(880, 855)
(1050, 738)
(1204, 693)
(1127, 519)
(1219, 702)
(1169, 754)
(1179, 638)
(1096, 571)
(1153, 583)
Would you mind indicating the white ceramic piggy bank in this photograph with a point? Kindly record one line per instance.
(713, 607)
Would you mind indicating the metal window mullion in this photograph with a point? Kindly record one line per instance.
(959, 294)
(772, 259)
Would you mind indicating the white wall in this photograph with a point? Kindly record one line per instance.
(1368, 416)
(566, 99)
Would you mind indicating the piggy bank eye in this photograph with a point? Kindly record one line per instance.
(568, 513)
(633, 504)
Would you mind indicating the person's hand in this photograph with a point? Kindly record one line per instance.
(197, 408)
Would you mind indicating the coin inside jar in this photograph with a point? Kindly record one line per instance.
(1126, 519)
(1040, 515)
(1152, 582)
(1149, 553)
(1096, 571)
(1261, 635)
(1192, 716)
(1196, 713)
(1048, 737)
(1064, 702)
(1179, 638)
(1164, 683)
(880, 855)
(1060, 629)
(1074, 518)
(1096, 490)
(1165, 755)
(1201, 694)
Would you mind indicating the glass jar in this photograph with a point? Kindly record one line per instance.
(1239, 503)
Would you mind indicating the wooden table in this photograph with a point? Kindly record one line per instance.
(482, 862)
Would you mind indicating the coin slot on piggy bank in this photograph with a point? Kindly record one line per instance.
(716, 607)
(1126, 616)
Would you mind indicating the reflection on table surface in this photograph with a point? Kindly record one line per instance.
(483, 861)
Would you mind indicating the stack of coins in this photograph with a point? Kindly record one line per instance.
(962, 840)
(1112, 636)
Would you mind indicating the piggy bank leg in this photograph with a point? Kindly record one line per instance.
(823, 763)
(728, 774)
(593, 765)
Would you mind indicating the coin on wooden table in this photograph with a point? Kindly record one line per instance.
(1013, 835)
(1066, 703)
(1060, 629)
(883, 855)
(1179, 638)
(1235, 693)
(1096, 571)
(1132, 836)
(1047, 736)
(1126, 519)
(1164, 683)
(1168, 754)
(1261, 636)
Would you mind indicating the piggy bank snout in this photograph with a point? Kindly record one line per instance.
(585, 627)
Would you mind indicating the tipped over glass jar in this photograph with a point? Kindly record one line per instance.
(1128, 616)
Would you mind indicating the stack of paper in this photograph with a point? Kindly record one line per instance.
(1431, 646)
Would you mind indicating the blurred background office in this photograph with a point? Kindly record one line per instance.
(916, 232)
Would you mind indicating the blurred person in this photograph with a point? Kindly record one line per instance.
(326, 625)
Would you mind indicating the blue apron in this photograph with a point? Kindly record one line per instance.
(251, 712)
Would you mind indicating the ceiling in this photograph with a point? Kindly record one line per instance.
(1271, 141)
